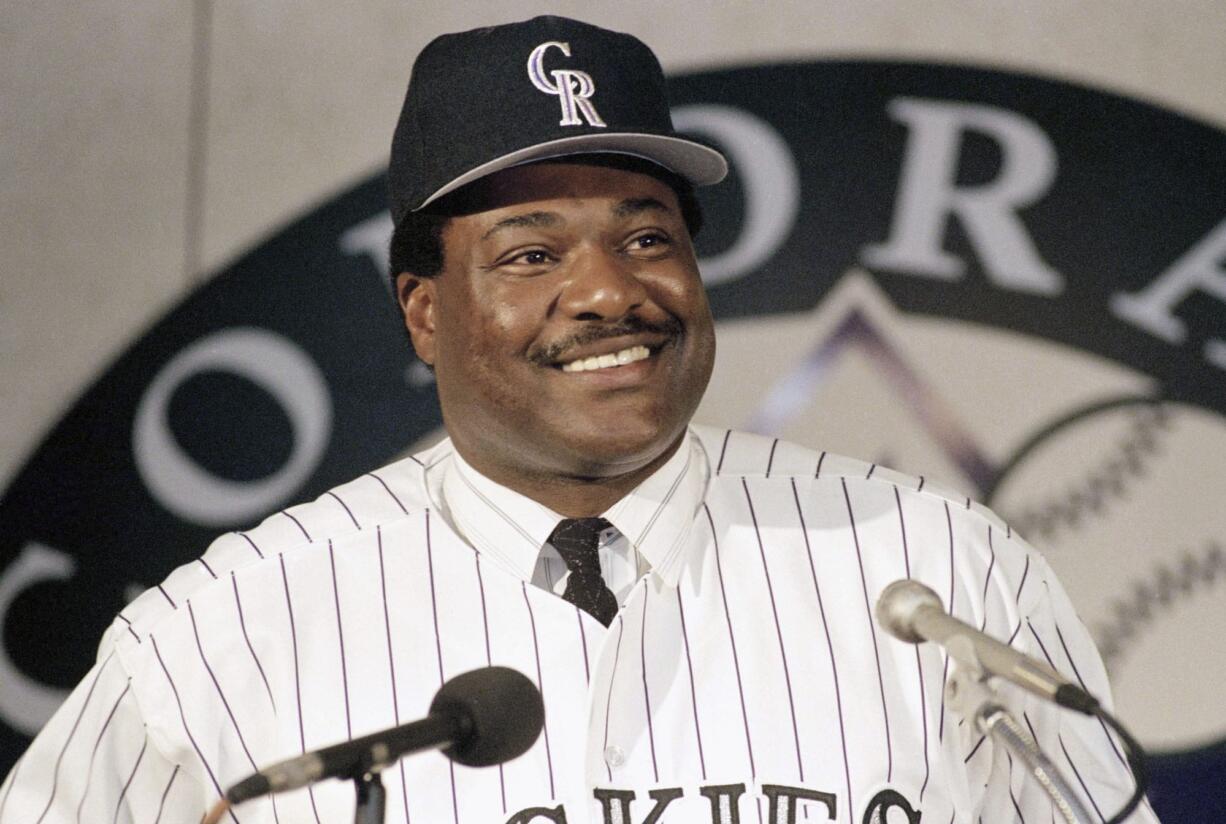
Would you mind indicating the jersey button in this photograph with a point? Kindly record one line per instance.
(614, 756)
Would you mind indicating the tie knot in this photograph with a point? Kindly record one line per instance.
(576, 540)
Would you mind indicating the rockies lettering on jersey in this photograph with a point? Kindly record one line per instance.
(572, 87)
(742, 680)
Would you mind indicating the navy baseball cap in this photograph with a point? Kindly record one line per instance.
(484, 100)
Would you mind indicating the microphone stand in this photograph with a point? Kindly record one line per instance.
(372, 798)
(969, 695)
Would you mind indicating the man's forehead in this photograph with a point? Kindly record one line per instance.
(542, 189)
(541, 218)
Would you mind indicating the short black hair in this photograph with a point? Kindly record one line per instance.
(417, 242)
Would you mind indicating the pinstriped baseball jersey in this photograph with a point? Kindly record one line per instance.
(743, 679)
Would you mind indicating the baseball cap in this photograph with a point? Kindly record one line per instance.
(484, 100)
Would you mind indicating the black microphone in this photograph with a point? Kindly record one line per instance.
(912, 612)
(483, 717)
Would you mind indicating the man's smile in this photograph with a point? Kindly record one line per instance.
(621, 357)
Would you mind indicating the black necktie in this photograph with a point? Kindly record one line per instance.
(576, 539)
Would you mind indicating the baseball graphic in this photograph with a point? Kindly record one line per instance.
(1119, 490)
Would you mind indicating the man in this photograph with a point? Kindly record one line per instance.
(695, 605)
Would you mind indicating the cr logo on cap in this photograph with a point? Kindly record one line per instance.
(574, 88)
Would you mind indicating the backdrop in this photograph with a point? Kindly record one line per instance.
(978, 242)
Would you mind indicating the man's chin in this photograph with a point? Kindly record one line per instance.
(601, 454)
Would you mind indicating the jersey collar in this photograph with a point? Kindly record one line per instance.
(510, 528)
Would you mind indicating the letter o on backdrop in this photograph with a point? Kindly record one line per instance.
(769, 176)
(276, 365)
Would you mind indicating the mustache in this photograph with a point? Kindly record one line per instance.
(671, 329)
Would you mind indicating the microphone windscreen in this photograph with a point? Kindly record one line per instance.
(897, 607)
(498, 710)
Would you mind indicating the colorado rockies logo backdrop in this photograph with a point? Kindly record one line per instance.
(1012, 284)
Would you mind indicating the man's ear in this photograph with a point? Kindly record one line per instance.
(417, 297)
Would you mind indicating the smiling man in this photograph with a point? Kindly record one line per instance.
(695, 604)
(568, 327)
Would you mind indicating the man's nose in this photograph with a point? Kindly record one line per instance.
(601, 286)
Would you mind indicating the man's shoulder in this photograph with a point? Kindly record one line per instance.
(374, 500)
(747, 454)
(738, 455)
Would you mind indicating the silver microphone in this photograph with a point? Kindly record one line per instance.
(912, 612)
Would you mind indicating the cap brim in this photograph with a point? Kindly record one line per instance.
(700, 165)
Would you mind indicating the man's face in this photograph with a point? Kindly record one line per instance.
(569, 329)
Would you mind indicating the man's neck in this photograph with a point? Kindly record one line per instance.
(573, 496)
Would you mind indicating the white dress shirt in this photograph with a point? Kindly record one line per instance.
(513, 529)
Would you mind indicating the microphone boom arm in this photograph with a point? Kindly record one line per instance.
(970, 696)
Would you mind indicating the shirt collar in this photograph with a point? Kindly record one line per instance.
(656, 517)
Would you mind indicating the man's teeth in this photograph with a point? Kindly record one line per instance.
(625, 356)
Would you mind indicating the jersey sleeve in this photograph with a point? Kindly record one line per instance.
(1082, 748)
(96, 760)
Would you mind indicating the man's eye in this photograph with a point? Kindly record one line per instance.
(649, 241)
(535, 257)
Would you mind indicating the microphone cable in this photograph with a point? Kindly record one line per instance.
(1136, 763)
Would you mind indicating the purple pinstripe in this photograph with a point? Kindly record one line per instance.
(1101, 724)
(1016, 630)
(247, 538)
(438, 648)
(770, 459)
(872, 630)
(131, 632)
(834, 669)
(128, 783)
(1068, 657)
(974, 749)
(736, 664)
(298, 523)
(162, 804)
(1080, 780)
(949, 521)
(293, 635)
(617, 651)
(919, 667)
(1016, 808)
(391, 663)
(689, 664)
(987, 580)
(783, 656)
(651, 733)
(489, 660)
(345, 507)
(1035, 736)
(183, 718)
(587, 670)
(89, 771)
(722, 451)
(340, 636)
(1042, 646)
(191, 613)
(389, 491)
(540, 685)
(242, 623)
(55, 775)
(1052, 664)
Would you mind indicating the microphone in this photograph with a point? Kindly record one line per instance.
(480, 718)
(912, 612)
